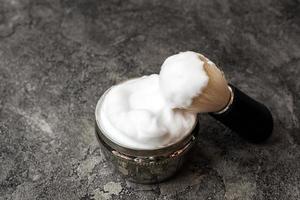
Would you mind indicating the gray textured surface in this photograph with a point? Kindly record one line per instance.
(57, 57)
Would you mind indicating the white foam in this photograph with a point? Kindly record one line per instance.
(139, 113)
(182, 77)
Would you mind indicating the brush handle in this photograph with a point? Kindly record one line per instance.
(248, 118)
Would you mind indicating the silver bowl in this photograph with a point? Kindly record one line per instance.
(144, 166)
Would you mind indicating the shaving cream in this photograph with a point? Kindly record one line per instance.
(142, 113)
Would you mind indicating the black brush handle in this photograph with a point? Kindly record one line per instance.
(248, 118)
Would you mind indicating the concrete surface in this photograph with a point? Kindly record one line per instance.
(58, 57)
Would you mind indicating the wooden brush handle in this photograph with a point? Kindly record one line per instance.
(248, 118)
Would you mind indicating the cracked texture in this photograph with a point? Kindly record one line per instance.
(58, 56)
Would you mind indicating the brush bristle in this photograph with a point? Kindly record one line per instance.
(215, 95)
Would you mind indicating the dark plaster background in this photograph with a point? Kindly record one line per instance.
(57, 57)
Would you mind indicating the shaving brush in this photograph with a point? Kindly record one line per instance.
(216, 95)
(249, 118)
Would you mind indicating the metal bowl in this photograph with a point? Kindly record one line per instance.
(144, 166)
